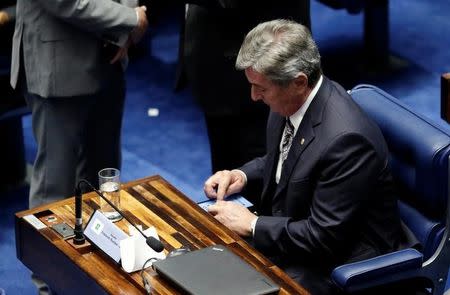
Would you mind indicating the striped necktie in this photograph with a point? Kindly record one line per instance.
(287, 139)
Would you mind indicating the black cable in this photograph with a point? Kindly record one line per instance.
(145, 282)
(152, 242)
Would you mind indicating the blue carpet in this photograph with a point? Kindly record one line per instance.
(419, 32)
(14, 276)
(174, 144)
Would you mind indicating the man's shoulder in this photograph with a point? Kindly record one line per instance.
(342, 115)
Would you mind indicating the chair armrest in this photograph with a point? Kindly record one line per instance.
(378, 270)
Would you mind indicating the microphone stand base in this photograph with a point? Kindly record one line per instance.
(84, 248)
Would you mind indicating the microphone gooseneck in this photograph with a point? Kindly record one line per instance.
(152, 242)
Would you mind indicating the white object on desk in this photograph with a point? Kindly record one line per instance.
(134, 251)
(233, 198)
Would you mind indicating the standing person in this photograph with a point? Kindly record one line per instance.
(214, 31)
(75, 89)
(328, 195)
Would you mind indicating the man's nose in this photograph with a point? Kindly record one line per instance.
(255, 95)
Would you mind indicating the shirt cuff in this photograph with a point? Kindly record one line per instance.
(253, 225)
(242, 173)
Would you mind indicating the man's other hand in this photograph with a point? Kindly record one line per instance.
(122, 52)
(224, 183)
(234, 216)
(139, 31)
(4, 18)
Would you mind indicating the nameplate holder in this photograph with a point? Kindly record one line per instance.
(104, 234)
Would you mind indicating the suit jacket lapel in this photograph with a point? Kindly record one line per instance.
(305, 134)
(302, 139)
(276, 123)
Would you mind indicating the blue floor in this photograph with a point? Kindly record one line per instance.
(174, 143)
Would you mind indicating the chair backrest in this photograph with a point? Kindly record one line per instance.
(419, 153)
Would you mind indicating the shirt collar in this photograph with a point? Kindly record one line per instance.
(297, 117)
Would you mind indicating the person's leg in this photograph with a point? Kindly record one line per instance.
(103, 132)
(252, 132)
(238, 138)
(222, 131)
(58, 125)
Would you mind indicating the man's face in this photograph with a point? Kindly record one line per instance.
(284, 100)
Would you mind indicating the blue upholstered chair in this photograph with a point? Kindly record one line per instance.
(419, 157)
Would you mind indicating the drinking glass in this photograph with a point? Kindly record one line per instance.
(109, 183)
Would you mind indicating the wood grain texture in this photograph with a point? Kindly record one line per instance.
(150, 201)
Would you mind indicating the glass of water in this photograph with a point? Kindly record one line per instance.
(109, 182)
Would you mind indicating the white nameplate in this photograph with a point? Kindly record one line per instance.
(105, 235)
(35, 222)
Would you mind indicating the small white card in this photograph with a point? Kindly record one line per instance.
(105, 234)
(234, 198)
(34, 221)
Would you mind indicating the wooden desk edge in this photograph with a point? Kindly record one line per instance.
(70, 200)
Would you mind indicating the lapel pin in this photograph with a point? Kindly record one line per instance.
(302, 141)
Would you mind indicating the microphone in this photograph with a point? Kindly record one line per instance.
(79, 239)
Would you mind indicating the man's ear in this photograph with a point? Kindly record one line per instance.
(301, 81)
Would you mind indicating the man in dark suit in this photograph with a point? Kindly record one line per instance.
(214, 31)
(327, 195)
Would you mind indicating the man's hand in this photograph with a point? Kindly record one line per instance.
(122, 52)
(4, 18)
(139, 31)
(224, 183)
(234, 216)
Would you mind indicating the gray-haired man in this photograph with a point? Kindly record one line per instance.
(327, 195)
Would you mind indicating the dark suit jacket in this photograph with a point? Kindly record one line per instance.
(214, 31)
(335, 199)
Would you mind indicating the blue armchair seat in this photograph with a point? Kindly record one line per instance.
(419, 158)
(378, 270)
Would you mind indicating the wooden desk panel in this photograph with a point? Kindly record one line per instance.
(150, 202)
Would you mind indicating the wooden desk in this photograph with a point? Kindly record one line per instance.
(150, 201)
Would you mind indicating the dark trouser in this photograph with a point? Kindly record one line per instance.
(236, 139)
(76, 137)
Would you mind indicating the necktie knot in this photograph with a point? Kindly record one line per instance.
(288, 135)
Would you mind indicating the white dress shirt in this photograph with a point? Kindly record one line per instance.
(296, 119)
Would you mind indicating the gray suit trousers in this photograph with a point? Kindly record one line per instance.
(76, 136)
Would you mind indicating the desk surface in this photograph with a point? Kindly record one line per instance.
(150, 201)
